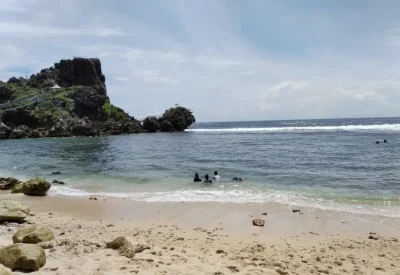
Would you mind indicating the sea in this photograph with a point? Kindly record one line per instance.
(332, 164)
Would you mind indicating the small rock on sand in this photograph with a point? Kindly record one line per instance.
(123, 246)
(258, 222)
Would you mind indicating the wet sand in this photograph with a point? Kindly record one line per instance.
(210, 238)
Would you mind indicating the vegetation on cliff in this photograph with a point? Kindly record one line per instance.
(71, 99)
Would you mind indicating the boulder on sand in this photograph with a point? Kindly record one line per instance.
(4, 270)
(8, 183)
(36, 187)
(23, 257)
(12, 211)
(17, 188)
(33, 234)
(123, 246)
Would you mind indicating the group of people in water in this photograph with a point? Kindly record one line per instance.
(208, 181)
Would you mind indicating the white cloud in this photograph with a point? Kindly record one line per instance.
(153, 76)
(121, 78)
(24, 31)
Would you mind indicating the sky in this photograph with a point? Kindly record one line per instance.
(226, 60)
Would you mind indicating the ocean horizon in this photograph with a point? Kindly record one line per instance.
(332, 164)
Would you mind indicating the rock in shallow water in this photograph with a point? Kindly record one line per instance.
(36, 187)
(8, 183)
(33, 234)
(58, 182)
(23, 257)
(12, 211)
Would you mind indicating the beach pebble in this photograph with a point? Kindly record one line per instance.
(233, 269)
(220, 251)
(258, 222)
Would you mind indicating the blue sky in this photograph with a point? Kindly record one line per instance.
(224, 59)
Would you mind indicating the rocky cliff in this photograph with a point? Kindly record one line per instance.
(70, 99)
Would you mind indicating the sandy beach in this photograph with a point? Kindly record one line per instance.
(209, 238)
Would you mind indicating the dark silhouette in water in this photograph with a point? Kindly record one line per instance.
(207, 180)
(237, 179)
(377, 142)
(196, 178)
(216, 177)
(385, 141)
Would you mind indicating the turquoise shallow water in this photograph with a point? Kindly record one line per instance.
(329, 164)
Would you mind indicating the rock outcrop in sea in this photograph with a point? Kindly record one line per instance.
(70, 99)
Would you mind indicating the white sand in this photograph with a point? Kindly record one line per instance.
(209, 238)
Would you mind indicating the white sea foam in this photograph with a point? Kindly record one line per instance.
(238, 196)
(350, 128)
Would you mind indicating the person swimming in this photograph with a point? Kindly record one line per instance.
(237, 179)
(196, 178)
(216, 177)
(207, 180)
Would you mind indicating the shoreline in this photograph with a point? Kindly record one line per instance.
(237, 216)
(208, 238)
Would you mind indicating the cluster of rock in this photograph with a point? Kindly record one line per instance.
(26, 253)
(78, 106)
(33, 187)
(174, 119)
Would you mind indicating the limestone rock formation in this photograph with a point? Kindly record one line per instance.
(150, 124)
(33, 234)
(84, 127)
(166, 126)
(36, 187)
(4, 131)
(23, 257)
(71, 99)
(180, 118)
(12, 211)
(21, 131)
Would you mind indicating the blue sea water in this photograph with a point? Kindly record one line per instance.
(328, 164)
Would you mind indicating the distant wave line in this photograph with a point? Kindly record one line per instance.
(377, 127)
